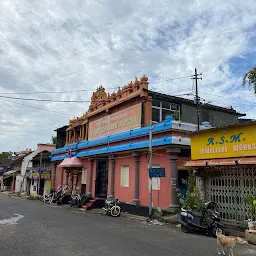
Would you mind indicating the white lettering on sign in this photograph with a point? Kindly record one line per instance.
(224, 149)
(213, 150)
(244, 147)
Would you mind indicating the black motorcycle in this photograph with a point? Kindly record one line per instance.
(112, 207)
(207, 221)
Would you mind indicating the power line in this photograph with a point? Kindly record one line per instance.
(87, 90)
(46, 100)
(223, 97)
(50, 92)
(22, 135)
(63, 101)
(36, 107)
(135, 56)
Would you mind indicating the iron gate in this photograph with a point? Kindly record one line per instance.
(228, 188)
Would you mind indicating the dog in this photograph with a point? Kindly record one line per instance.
(228, 242)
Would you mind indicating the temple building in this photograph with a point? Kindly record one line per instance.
(106, 150)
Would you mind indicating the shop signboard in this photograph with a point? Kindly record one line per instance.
(46, 175)
(35, 175)
(156, 172)
(124, 120)
(238, 141)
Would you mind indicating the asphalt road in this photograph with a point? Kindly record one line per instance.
(40, 229)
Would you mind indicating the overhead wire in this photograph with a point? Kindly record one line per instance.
(31, 132)
(70, 101)
(89, 90)
(47, 110)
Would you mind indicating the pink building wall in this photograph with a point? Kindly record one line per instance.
(124, 194)
(161, 197)
(47, 147)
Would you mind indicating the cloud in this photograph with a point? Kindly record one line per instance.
(78, 45)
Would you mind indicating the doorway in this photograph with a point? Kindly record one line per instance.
(41, 188)
(182, 175)
(28, 186)
(101, 182)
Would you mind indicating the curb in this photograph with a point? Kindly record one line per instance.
(123, 214)
(133, 217)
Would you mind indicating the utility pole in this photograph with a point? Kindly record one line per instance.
(196, 77)
(39, 172)
(150, 166)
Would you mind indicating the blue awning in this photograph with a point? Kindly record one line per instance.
(7, 169)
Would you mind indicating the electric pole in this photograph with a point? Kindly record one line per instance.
(150, 166)
(196, 76)
(39, 172)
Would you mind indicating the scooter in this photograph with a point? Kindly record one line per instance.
(75, 200)
(60, 194)
(206, 222)
(51, 198)
(112, 207)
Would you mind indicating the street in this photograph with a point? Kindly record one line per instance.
(41, 229)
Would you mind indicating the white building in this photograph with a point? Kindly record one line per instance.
(25, 178)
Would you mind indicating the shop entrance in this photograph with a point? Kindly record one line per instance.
(229, 188)
(101, 183)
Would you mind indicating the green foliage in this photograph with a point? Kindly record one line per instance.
(192, 200)
(54, 139)
(158, 212)
(5, 158)
(250, 79)
(5, 155)
(251, 202)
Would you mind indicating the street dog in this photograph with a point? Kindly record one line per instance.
(228, 242)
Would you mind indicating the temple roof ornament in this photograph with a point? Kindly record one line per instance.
(100, 98)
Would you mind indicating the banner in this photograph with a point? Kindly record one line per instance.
(120, 121)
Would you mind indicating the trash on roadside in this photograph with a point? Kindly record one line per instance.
(156, 222)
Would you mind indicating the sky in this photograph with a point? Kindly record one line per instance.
(69, 48)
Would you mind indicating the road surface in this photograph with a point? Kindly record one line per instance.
(32, 228)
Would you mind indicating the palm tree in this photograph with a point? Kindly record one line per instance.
(250, 79)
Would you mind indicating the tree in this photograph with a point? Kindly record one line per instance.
(5, 158)
(54, 139)
(192, 200)
(250, 79)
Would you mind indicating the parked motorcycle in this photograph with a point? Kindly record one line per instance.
(112, 207)
(51, 198)
(60, 194)
(75, 200)
(207, 221)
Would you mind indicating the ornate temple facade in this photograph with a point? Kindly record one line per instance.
(103, 104)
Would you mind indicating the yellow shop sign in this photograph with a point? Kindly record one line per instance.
(235, 141)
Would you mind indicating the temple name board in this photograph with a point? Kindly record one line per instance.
(120, 121)
(227, 142)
